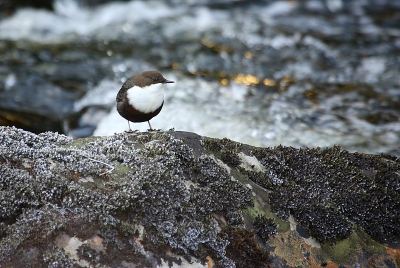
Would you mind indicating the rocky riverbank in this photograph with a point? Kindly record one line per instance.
(175, 198)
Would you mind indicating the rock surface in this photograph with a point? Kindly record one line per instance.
(182, 200)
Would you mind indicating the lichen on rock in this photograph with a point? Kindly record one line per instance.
(178, 198)
(48, 180)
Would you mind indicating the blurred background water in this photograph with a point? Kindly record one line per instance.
(296, 73)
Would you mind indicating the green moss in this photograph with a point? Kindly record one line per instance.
(120, 170)
(81, 142)
(369, 245)
(343, 250)
(250, 213)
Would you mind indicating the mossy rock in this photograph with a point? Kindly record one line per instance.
(176, 198)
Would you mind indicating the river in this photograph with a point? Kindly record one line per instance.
(296, 73)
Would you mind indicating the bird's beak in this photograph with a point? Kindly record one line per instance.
(168, 81)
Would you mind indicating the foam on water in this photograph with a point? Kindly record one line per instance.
(69, 17)
(102, 95)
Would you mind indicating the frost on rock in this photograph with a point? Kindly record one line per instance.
(147, 198)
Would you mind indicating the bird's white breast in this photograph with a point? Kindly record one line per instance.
(146, 99)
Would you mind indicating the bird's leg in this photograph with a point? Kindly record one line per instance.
(149, 125)
(130, 130)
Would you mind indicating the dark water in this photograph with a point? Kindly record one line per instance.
(298, 73)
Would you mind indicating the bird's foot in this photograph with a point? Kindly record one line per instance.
(131, 131)
(154, 130)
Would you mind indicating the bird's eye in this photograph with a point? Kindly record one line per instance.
(155, 79)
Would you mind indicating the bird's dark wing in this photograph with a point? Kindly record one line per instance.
(121, 93)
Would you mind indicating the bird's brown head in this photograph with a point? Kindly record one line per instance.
(148, 78)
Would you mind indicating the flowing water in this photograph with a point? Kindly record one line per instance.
(296, 73)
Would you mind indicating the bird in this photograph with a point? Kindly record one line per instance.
(141, 97)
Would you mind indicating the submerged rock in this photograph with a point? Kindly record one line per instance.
(179, 199)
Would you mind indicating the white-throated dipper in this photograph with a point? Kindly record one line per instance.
(141, 97)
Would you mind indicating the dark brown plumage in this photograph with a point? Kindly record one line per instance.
(141, 97)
